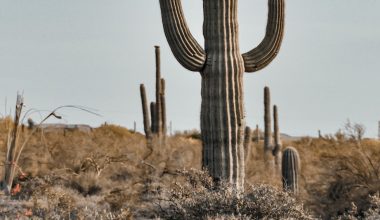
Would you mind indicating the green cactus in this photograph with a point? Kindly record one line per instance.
(277, 139)
(267, 125)
(221, 66)
(290, 170)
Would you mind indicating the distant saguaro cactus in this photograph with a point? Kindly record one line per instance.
(277, 138)
(267, 124)
(158, 108)
(247, 143)
(163, 108)
(221, 66)
(158, 113)
(257, 134)
(290, 169)
(145, 110)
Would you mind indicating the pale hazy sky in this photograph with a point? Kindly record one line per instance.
(95, 53)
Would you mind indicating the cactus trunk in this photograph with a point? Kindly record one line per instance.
(222, 115)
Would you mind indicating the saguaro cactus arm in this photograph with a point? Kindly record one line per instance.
(183, 45)
(266, 51)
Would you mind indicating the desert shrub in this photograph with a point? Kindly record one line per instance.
(200, 198)
(372, 213)
(52, 197)
(348, 171)
(356, 175)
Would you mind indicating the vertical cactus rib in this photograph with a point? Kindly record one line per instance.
(163, 108)
(267, 122)
(290, 170)
(145, 110)
(158, 112)
(267, 50)
(183, 45)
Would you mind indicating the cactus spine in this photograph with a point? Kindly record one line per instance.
(290, 169)
(277, 139)
(267, 124)
(222, 66)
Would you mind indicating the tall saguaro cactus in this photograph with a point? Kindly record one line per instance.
(290, 169)
(221, 66)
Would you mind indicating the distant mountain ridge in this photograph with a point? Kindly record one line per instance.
(67, 127)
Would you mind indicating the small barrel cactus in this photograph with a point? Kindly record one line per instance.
(290, 169)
